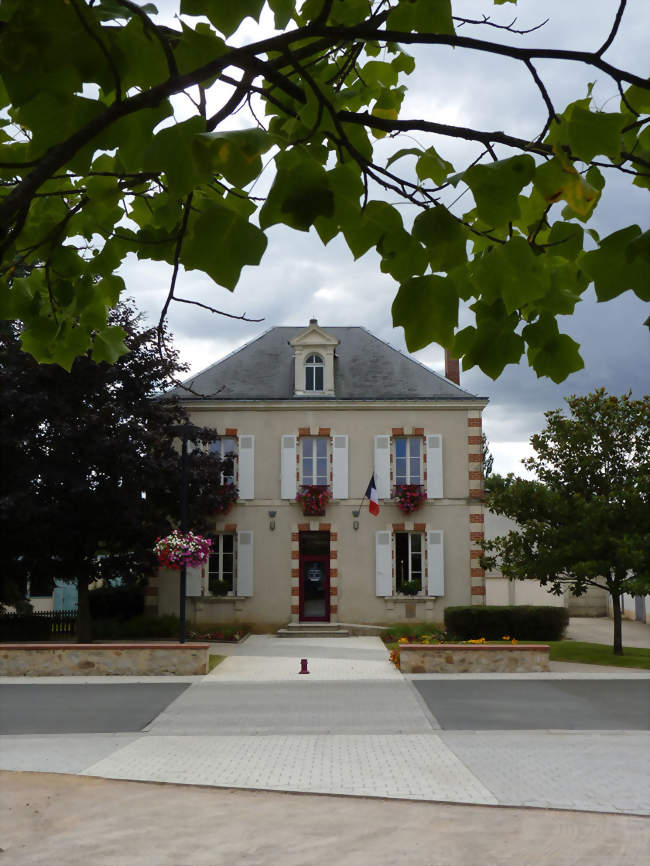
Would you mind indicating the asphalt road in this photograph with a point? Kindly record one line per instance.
(601, 704)
(83, 708)
(509, 705)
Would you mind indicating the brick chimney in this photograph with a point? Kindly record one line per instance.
(452, 368)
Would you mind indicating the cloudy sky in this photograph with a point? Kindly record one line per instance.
(299, 278)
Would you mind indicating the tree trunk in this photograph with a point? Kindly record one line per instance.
(84, 624)
(616, 608)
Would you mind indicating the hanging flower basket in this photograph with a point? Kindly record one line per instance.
(178, 549)
(313, 498)
(409, 497)
(225, 498)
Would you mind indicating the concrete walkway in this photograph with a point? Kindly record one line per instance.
(601, 630)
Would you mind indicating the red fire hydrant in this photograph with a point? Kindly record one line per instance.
(303, 667)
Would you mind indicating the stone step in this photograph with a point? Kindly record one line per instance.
(313, 629)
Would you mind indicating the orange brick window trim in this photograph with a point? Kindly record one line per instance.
(476, 518)
(474, 440)
(473, 422)
(295, 608)
(295, 590)
(477, 572)
(478, 590)
(324, 431)
(475, 458)
(475, 554)
(398, 527)
(303, 527)
(419, 527)
(397, 431)
(304, 431)
(475, 476)
(231, 431)
(476, 536)
(230, 527)
(418, 431)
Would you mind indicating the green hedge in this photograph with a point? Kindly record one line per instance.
(493, 622)
(140, 627)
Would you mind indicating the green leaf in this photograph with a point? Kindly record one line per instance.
(197, 46)
(550, 353)
(109, 345)
(174, 150)
(401, 255)
(512, 272)
(430, 164)
(300, 192)
(496, 187)
(566, 240)
(225, 15)
(620, 263)
(379, 72)
(403, 62)
(594, 132)
(220, 242)
(493, 344)
(283, 11)
(638, 98)
(427, 308)
(557, 179)
(236, 154)
(377, 219)
(444, 237)
(54, 343)
(422, 16)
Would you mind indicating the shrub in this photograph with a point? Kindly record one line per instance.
(523, 622)
(116, 602)
(217, 631)
(138, 627)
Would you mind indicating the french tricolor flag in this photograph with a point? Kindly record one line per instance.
(373, 501)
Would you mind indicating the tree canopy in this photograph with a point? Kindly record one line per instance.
(98, 162)
(585, 521)
(90, 473)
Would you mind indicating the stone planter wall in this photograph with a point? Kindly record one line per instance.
(473, 658)
(113, 659)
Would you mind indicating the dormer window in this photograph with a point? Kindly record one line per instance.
(314, 362)
(314, 373)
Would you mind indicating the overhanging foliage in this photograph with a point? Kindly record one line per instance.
(95, 165)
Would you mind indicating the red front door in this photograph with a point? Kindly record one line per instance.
(314, 588)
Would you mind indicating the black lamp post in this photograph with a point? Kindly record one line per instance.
(184, 432)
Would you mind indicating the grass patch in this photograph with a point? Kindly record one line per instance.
(213, 661)
(598, 654)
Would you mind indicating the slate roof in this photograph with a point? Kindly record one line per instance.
(365, 368)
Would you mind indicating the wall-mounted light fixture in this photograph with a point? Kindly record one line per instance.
(272, 520)
(355, 522)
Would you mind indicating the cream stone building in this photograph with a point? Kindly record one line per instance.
(327, 408)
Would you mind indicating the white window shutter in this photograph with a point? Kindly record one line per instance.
(246, 461)
(383, 563)
(382, 466)
(288, 486)
(436, 563)
(340, 467)
(193, 580)
(244, 563)
(434, 467)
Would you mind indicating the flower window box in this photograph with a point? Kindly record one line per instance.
(314, 499)
(409, 497)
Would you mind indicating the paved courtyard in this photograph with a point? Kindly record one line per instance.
(354, 726)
